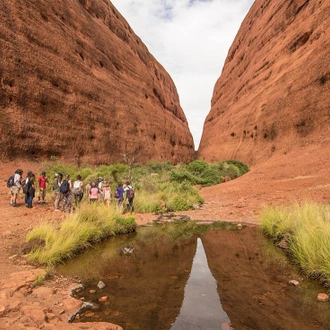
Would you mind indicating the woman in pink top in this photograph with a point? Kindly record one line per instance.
(93, 193)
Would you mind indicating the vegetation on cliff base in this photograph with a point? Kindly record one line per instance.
(305, 229)
(159, 187)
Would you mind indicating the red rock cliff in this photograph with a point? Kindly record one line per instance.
(274, 91)
(78, 84)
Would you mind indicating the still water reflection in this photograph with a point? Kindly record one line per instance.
(165, 283)
(201, 307)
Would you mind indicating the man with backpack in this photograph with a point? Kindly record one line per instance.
(14, 183)
(65, 190)
(129, 196)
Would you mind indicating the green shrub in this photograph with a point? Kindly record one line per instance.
(197, 167)
(182, 174)
(210, 176)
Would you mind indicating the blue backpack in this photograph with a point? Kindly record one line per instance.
(65, 187)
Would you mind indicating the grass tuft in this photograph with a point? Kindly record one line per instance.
(91, 223)
(306, 228)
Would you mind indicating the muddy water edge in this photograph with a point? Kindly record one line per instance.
(145, 283)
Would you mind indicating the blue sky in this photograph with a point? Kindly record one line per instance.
(191, 39)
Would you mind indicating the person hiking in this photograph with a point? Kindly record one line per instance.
(129, 191)
(25, 187)
(88, 188)
(65, 190)
(119, 197)
(106, 191)
(56, 189)
(42, 188)
(100, 186)
(93, 193)
(30, 190)
(15, 186)
(78, 190)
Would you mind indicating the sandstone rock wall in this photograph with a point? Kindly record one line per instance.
(76, 83)
(274, 91)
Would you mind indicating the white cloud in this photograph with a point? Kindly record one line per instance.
(191, 39)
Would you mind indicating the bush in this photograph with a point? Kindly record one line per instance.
(210, 177)
(197, 167)
(182, 174)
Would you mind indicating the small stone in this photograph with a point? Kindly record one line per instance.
(283, 244)
(101, 285)
(104, 298)
(2, 309)
(294, 282)
(50, 316)
(92, 291)
(322, 297)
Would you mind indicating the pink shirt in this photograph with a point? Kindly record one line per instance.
(94, 193)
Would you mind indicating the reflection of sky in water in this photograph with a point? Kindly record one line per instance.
(201, 307)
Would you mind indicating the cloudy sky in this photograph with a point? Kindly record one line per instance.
(191, 39)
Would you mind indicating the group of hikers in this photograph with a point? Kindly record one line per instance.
(69, 194)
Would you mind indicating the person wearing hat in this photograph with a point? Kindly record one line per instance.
(106, 192)
(42, 188)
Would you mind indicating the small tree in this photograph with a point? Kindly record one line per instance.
(130, 159)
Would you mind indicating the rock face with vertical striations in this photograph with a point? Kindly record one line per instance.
(274, 91)
(76, 83)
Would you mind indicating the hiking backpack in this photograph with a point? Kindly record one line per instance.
(10, 181)
(25, 187)
(64, 188)
(131, 193)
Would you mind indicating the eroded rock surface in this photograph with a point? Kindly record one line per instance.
(76, 83)
(273, 94)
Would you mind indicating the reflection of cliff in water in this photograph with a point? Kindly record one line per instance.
(201, 307)
(254, 289)
(165, 283)
(145, 288)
